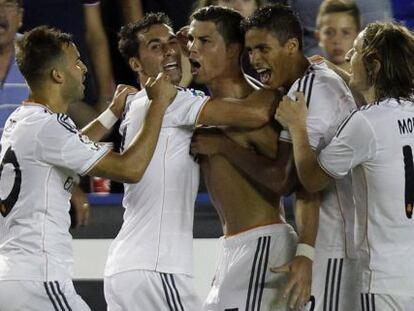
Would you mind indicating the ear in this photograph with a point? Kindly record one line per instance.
(317, 35)
(135, 64)
(57, 76)
(292, 46)
(376, 66)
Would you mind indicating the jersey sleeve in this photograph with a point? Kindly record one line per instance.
(329, 102)
(185, 109)
(59, 143)
(353, 144)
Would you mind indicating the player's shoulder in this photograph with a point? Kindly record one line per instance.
(184, 92)
(324, 75)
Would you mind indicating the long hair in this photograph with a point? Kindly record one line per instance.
(392, 45)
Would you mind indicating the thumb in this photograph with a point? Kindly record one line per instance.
(281, 269)
(300, 96)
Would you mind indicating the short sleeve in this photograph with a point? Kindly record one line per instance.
(185, 109)
(59, 143)
(353, 144)
(329, 102)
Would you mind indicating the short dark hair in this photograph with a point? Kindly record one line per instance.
(128, 43)
(279, 19)
(392, 45)
(227, 22)
(339, 6)
(38, 49)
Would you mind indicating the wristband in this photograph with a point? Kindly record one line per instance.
(107, 119)
(305, 250)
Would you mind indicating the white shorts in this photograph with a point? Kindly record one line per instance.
(243, 280)
(143, 290)
(40, 296)
(381, 302)
(335, 284)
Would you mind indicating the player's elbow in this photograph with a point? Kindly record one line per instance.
(312, 184)
(133, 177)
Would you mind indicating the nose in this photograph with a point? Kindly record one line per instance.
(192, 47)
(254, 57)
(83, 68)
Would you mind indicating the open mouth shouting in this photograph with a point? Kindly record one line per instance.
(195, 67)
(264, 75)
(172, 65)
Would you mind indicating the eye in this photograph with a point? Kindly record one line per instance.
(155, 47)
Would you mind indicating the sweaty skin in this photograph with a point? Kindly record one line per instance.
(241, 203)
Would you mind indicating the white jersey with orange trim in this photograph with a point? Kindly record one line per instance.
(41, 155)
(157, 233)
(376, 143)
(329, 102)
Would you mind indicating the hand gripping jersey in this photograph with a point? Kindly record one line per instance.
(157, 233)
(376, 143)
(41, 155)
(329, 102)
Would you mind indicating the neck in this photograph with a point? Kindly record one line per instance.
(49, 97)
(298, 65)
(230, 86)
(369, 95)
(345, 66)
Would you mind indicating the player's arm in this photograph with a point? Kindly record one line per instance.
(130, 166)
(292, 115)
(98, 48)
(299, 269)
(252, 112)
(101, 126)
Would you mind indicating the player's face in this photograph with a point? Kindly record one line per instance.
(359, 77)
(10, 21)
(245, 7)
(159, 51)
(336, 35)
(75, 71)
(268, 57)
(208, 56)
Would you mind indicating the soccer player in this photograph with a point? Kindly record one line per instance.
(374, 143)
(41, 154)
(274, 41)
(150, 262)
(256, 237)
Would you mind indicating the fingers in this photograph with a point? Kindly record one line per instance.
(300, 97)
(282, 269)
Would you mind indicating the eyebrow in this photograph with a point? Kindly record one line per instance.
(155, 40)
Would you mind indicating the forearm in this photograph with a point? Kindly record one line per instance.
(98, 48)
(307, 217)
(261, 169)
(131, 10)
(310, 174)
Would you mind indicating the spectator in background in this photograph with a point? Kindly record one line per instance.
(81, 18)
(337, 25)
(13, 87)
(371, 10)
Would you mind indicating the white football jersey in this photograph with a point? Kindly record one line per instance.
(41, 155)
(376, 143)
(157, 233)
(329, 102)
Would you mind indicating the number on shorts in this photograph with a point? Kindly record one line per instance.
(409, 180)
(8, 203)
